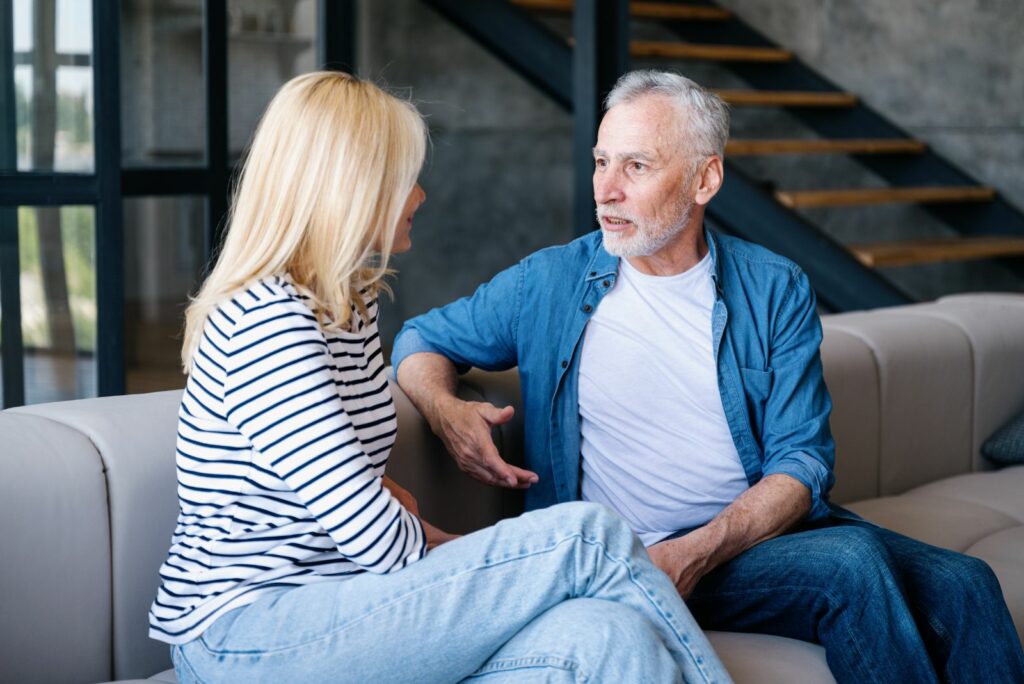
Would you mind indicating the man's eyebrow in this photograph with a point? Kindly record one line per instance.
(639, 155)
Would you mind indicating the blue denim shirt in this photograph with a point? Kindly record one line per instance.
(764, 327)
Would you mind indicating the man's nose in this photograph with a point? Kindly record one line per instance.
(607, 187)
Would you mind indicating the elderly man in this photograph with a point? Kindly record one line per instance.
(673, 375)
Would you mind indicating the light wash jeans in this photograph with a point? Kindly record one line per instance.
(565, 594)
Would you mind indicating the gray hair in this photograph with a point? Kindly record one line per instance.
(708, 123)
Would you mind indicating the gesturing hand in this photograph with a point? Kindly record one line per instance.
(465, 429)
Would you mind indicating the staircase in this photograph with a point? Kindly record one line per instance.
(972, 221)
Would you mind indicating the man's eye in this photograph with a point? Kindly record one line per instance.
(600, 163)
(638, 166)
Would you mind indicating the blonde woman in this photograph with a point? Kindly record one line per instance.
(295, 558)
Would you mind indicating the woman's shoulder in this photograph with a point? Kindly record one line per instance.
(272, 298)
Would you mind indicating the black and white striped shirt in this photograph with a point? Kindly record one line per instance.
(283, 434)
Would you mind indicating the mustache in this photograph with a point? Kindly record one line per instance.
(618, 215)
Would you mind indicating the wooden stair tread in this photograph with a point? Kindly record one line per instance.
(818, 146)
(642, 10)
(725, 53)
(787, 98)
(863, 196)
(909, 252)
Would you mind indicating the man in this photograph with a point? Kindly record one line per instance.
(674, 375)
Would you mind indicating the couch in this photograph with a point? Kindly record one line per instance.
(87, 497)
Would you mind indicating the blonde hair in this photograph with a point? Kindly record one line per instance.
(321, 192)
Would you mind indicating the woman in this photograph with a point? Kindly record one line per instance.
(295, 558)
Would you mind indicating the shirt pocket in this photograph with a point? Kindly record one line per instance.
(757, 385)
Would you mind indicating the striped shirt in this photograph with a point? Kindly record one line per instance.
(283, 434)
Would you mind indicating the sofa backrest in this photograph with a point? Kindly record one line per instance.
(918, 389)
(131, 448)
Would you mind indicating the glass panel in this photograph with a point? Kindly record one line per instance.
(269, 41)
(53, 85)
(57, 248)
(163, 247)
(163, 100)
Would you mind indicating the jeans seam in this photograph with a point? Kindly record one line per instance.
(532, 662)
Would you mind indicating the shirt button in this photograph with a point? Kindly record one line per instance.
(565, 364)
(587, 308)
(605, 283)
(593, 273)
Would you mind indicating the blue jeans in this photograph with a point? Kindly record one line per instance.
(887, 608)
(562, 594)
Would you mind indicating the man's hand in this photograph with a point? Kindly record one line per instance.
(465, 428)
(685, 560)
(403, 495)
(436, 537)
(766, 510)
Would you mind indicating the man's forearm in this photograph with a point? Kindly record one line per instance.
(766, 510)
(427, 379)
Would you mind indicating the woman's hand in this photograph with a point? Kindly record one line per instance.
(403, 495)
(436, 537)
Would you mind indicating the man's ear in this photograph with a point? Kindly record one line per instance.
(710, 175)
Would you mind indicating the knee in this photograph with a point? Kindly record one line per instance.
(594, 521)
(963, 575)
(859, 560)
(597, 624)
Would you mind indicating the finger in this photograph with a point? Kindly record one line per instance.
(502, 472)
(525, 477)
(497, 416)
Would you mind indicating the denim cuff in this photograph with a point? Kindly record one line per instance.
(409, 342)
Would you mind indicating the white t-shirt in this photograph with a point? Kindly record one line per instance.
(656, 446)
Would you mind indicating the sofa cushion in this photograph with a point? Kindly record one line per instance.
(922, 412)
(55, 554)
(765, 659)
(994, 324)
(1001, 490)
(1006, 446)
(937, 520)
(135, 437)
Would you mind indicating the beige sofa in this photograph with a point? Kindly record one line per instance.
(87, 497)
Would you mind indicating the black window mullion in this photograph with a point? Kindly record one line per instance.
(153, 182)
(109, 235)
(11, 347)
(215, 67)
(336, 35)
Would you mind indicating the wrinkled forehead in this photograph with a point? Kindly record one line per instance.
(653, 124)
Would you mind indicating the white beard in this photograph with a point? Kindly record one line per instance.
(647, 238)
